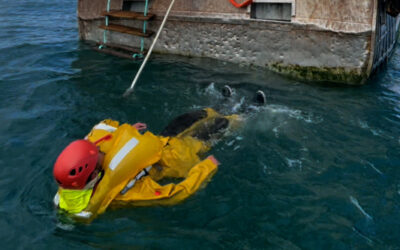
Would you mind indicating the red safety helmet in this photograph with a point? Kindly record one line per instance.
(75, 164)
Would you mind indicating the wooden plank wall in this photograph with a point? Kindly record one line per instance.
(386, 36)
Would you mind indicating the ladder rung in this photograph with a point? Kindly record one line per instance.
(126, 29)
(116, 53)
(122, 47)
(128, 14)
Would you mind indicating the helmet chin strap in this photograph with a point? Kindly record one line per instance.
(93, 182)
(105, 138)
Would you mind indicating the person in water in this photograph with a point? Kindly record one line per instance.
(119, 165)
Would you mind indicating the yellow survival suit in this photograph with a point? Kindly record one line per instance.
(133, 162)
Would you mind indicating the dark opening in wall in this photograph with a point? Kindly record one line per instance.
(135, 5)
(273, 10)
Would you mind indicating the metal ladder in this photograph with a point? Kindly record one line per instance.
(121, 50)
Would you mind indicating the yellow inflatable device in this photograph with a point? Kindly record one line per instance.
(133, 162)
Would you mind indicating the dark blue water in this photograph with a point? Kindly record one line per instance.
(318, 168)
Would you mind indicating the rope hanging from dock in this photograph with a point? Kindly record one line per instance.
(130, 89)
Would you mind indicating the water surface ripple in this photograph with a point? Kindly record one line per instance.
(318, 168)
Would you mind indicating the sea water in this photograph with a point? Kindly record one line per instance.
(316, 168)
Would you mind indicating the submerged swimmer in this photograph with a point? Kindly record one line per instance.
(117, 165)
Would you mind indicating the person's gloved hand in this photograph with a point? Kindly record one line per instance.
(213, 159)
(140, 126)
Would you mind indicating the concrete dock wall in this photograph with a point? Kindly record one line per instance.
(325, 40)
(336, 15)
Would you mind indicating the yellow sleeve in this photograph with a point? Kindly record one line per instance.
(178, 157)
(147, 192)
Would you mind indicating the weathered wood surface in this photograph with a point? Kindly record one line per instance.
(128, 15)
(113, 52)
(385, 36)
(122, 47)
(126, 30)
(336, 15)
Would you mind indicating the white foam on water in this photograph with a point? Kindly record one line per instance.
(373, 167)
(293, 113)
(66, 227)
(276, 131)
(363, 236)
(304, 149)
(364, 125)
(278, 118)
(294, 163)
(230, 143)
(358, 206)
(272, 117)
(238, 106)
(211, 90)
(284, 112)
(266, 169)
